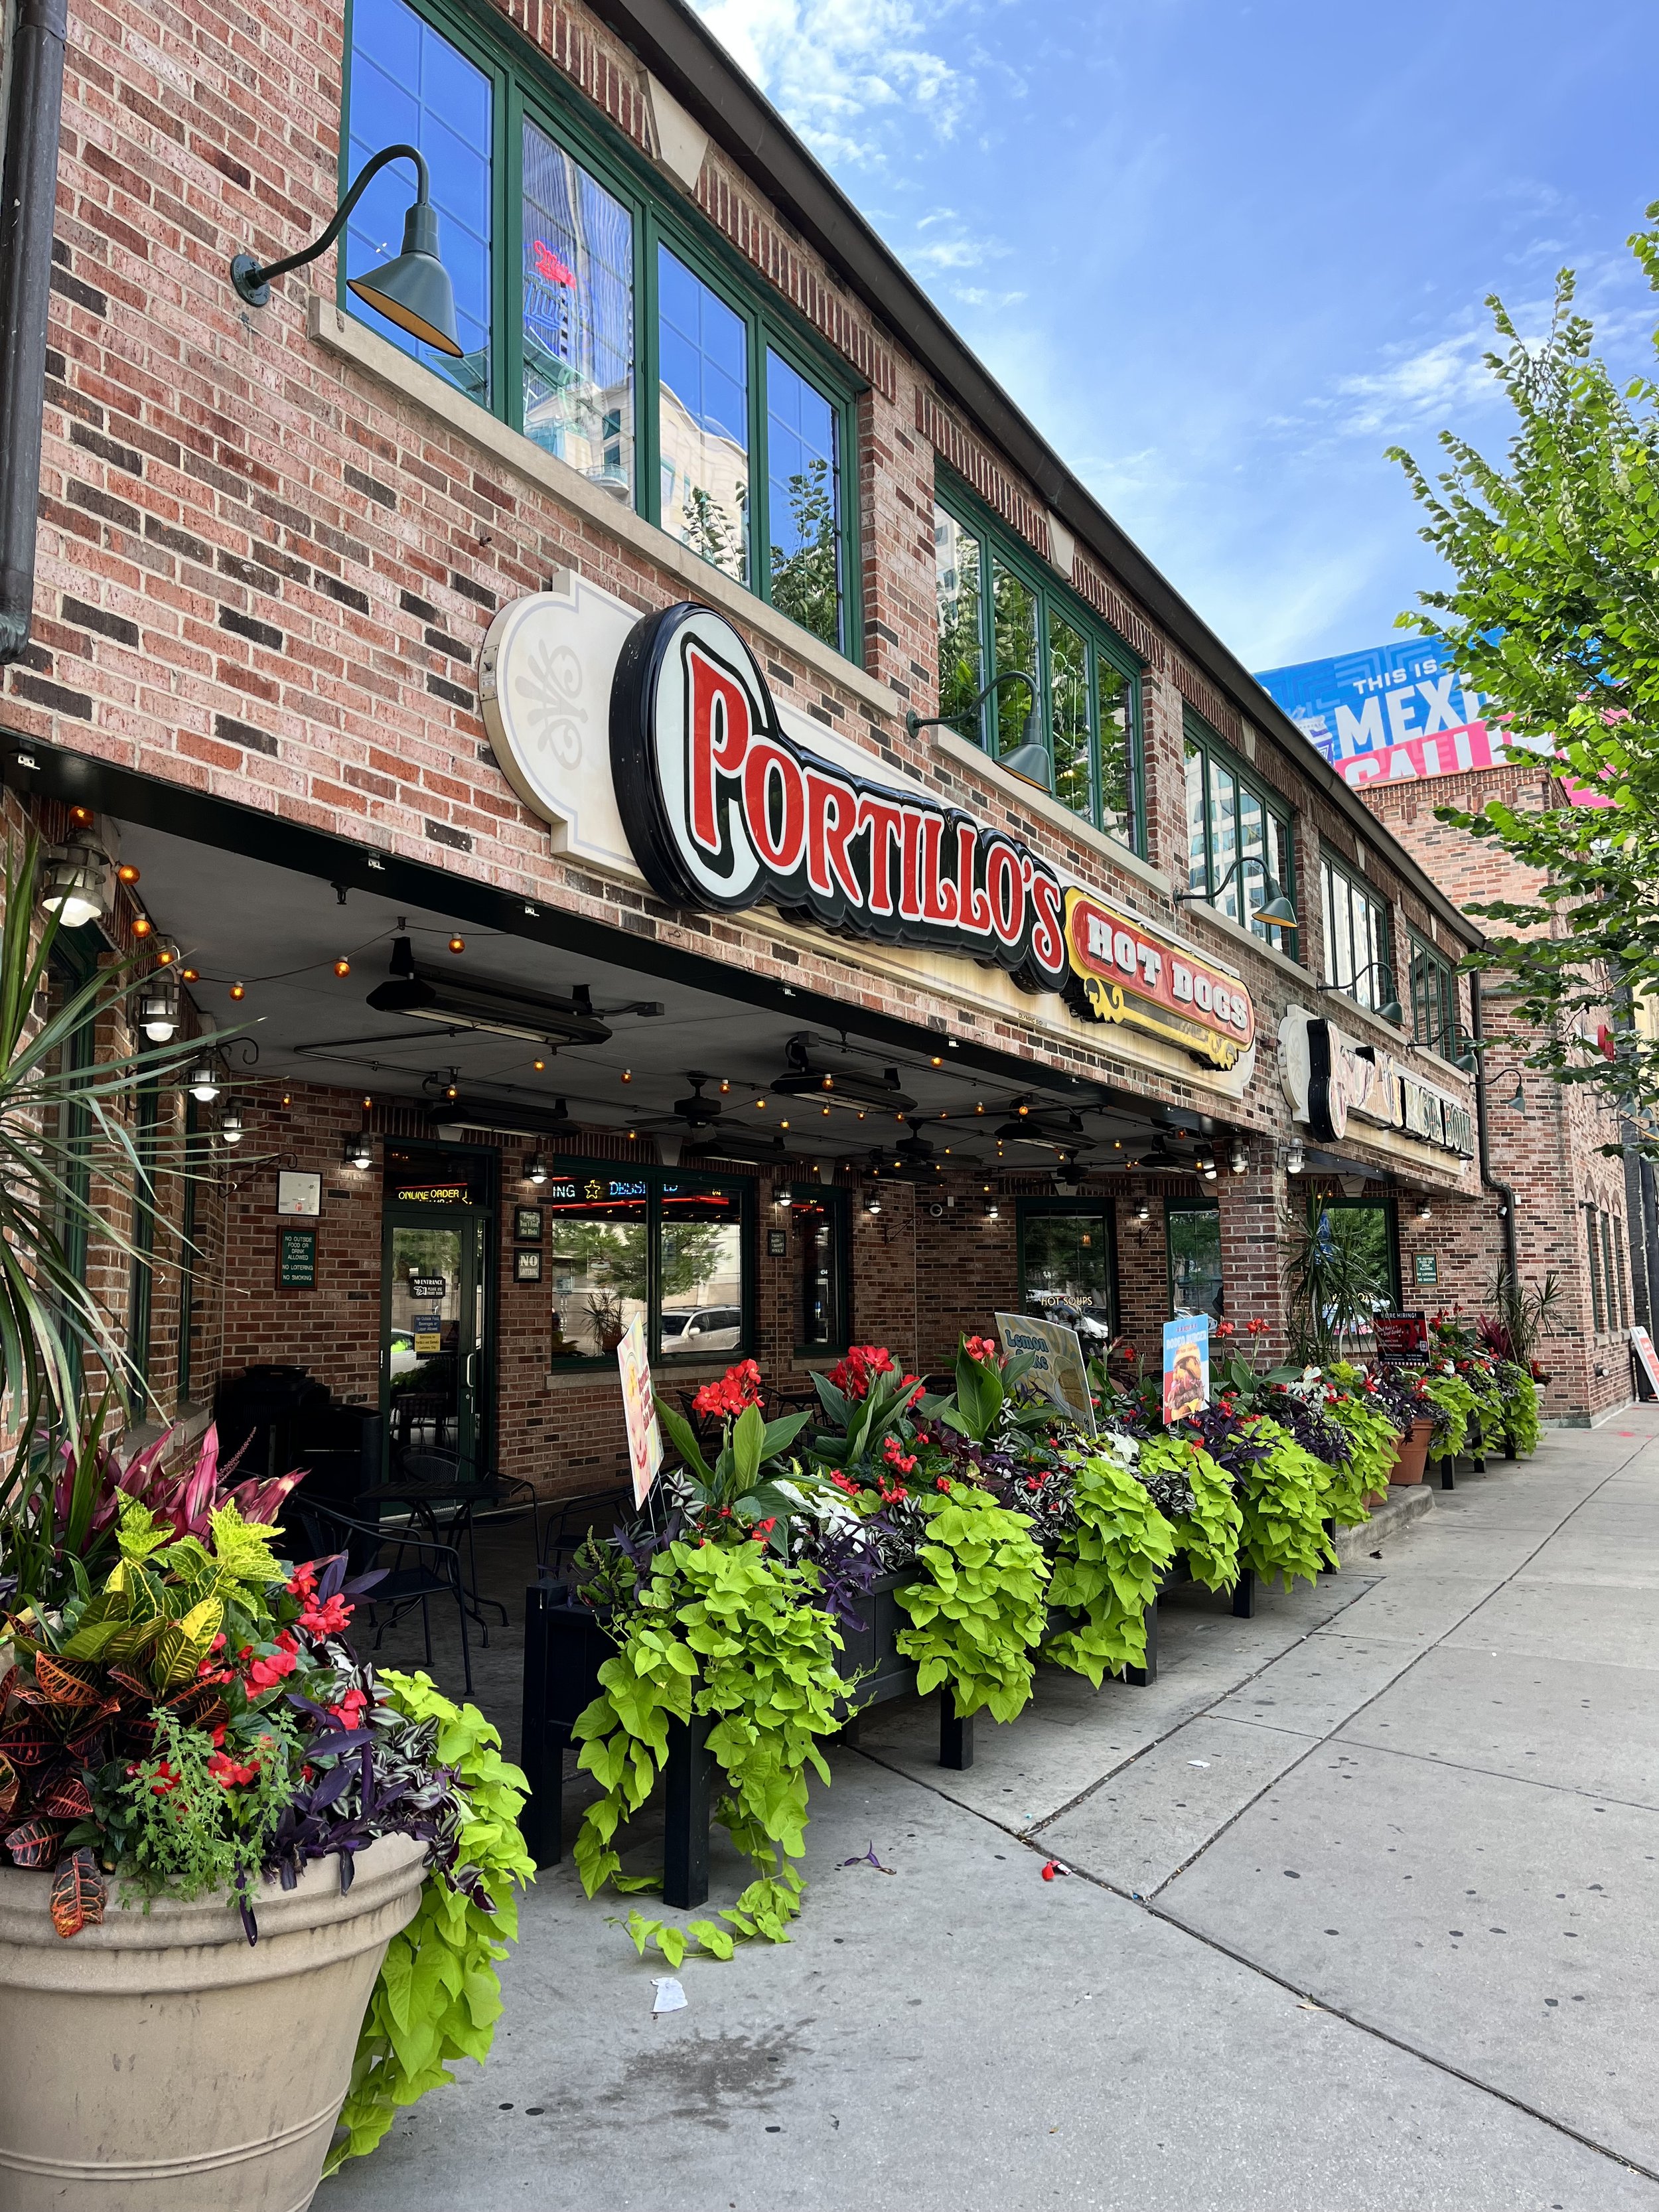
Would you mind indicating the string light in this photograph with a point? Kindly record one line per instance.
(628, 1075)
(725, 1084)
(238, 990)
(127, 874)
(457, 944)
(342, 967)
(939, 1060)
(190, 974)
(538, 1065)
(142, 924)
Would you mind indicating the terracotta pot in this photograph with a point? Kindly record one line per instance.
(1414, 1455)
(162, 2063)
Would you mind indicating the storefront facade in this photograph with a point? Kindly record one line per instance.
(533, 754)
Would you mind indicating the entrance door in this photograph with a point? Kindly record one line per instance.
(434, 1332)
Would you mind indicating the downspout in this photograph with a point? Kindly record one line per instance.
(28, 201)
(1501, 1190)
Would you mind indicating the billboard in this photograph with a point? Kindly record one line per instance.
(1396, 712)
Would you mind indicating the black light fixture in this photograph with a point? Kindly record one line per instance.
(77, 884)
(535, 1168)
(1143, 1212)
(854, 1088)
(358, 1150)
(1030, 759)
(1277, 912)
(1464, 1057)
(1160, 1158)
(1517, 1102)
(1425, 1209)
(452, 1002)
(158, 1006)
(230, 1127)
(203, 1081)
(414, 291)
(1240, 1160)
(1294, 1159)
(1390, 1010)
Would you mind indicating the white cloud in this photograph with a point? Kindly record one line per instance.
(842, 70)
(974, 296)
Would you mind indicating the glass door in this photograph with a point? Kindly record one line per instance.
(434, 1336)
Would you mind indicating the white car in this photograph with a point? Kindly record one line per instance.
(703, 1329)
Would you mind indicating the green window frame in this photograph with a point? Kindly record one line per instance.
(1621, 1294)
(1181, 1244)
(1434, 997)
(1029, 1211)
(814, 581)
(1597, 1307)
(1358, 933)
(1232, 813)
(594, 1191)
(998, 611)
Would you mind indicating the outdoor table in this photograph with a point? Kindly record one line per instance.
(427, 1499)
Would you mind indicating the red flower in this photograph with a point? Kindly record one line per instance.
(1128, 1352)
(762, 1530)
(1225, 1329)
(845, 1482)
(302, 1581)
(739, 1387)
(853, 1374)
(265, 1674)
(984, 1349)
(350, 1710)
(1257, 1328)
(904, 1462)
(166, 1778)
(227, 1773)
(943, 1483)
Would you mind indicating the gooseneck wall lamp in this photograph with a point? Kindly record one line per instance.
(1390, 1010)
(414, 291)
(1030, 759)
(1276, 911)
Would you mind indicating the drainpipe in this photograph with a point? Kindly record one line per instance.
(1501, 1190)
(28, 196)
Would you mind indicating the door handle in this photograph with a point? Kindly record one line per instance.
(473, 1374)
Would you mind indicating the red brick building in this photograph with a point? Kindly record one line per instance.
(704, 976)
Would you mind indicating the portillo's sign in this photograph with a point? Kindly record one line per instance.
(724, 810)
(1330, 1080)
(655, 749)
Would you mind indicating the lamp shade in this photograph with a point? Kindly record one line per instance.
(414, 291)
(1278, 913)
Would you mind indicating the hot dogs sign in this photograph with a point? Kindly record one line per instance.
(722, 800)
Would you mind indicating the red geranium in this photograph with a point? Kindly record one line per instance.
(740, 1386)
(984, 1349)
(1226, 1328)
(853, 1374)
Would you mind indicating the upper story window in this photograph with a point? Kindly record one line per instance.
(997, 613)
(1239, 848)
(1359, 942)
(597, 320)
(1434, 998)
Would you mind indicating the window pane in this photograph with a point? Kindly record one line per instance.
(1223, 837)
(411, 88)
(1068, 686)
(1198, 877)
(577, 317)
(819, 1227)
(1195, 1250)
(700, 1271)
(803, 489)
(958, 587)
(1279, 849)
(1117, 768)
(1594, 1268)
(1252, 840)
(702, 418)
(1328, 916)
(1364, 954)
(599, 1267)
(1064, 1256)
(1014, 618)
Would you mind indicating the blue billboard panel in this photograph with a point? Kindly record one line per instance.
(1397, 711)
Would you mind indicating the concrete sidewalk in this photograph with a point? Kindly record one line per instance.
(1362, 1918)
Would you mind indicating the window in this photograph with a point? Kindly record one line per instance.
(997, 613)
(1608, 1274)
(1193, 1237)
(410, 87)
(1598, 1306)
(818, 1220)
(600, 317)
(1067, 1260)
(1358, 945)
(672, 1253)
(1434, 1000)
(1618, 1272)
(1233, 818)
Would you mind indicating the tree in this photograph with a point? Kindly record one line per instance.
(1553, 609)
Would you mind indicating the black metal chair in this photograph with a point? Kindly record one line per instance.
(434, 1571)
(569, 1520)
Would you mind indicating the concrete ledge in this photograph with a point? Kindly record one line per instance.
(1402, 1505)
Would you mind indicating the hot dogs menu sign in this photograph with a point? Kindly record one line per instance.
(1123, 972)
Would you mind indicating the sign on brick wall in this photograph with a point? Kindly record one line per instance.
(1331, 1079)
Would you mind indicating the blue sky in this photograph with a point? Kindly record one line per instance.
(1224, 255)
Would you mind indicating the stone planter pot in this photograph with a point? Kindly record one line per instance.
(1413, 1452)
(162, 2063)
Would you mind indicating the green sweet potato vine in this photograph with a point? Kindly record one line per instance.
(977, 1604)
(1456, 1409)
(1108, 1571)
(732, 1635)
(1210, 1533)
(1521, 1423)
(1284, 1508)
(438, 1997)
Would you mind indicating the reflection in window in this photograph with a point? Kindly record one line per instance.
(600, 1270)
(1065, 1262)
(411, 87)
(818, 1219)
(956, 573)
(577, 317)
(803, 502)
(1013, 614)
(702, 421)
(1434, 1000)
(701, 1271)
(1068, 689)
(1229, 817)
(1117, 765)
(1194, 1254)
(1358, 959)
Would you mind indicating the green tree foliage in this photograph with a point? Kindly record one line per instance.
(807, 580)
(1552, 610)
